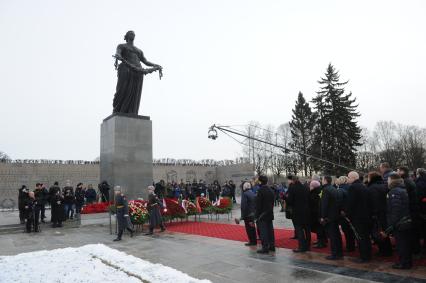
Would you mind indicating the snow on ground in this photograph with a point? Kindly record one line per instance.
(90, 263)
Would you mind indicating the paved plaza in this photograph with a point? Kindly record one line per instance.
(209, 258)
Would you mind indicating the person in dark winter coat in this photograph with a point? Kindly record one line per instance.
(378, 193)
(399, 221)
(248, 211)
(385, 171)
(160, 189)
(232, 188)
(216, 190)
(69, 200)
(104, 189)
(330, 215)
(154, 209)
(342, 189)
(46, 200)
(411, 188)
(31, 218)
(122, 213)
(53, 190)
(226, 190)
(314, 204)
(421, 195)
(265, 215)
(57, 209)
(79, 198)
(298, 198)
(22, 196)
(359, 213)
(90, 194)
(41, 196)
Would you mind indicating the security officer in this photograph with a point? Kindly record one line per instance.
(122, 213)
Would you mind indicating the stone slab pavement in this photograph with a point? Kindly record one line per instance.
(202, 257)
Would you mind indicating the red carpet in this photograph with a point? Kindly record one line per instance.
(238, 233)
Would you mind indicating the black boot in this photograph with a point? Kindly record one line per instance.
(117, 239)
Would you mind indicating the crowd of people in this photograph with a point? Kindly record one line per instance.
(369, 210)
(62, 202)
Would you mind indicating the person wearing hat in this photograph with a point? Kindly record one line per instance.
(154, 209)
(122, 213)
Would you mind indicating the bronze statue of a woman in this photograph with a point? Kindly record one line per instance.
(130, 76)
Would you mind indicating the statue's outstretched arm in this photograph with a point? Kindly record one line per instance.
(146, 62)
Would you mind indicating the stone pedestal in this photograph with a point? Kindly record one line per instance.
(126, 153)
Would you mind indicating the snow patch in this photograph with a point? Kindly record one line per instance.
(90, 263)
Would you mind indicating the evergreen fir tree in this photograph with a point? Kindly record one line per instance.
(302, 126)
(337, 133)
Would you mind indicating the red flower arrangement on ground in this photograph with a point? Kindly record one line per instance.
(96, 208)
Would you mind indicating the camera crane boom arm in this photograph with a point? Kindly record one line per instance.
(227, 129)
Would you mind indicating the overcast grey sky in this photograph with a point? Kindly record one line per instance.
(225, 62)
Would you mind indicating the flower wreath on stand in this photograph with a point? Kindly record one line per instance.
(205, 204)
(138, 211)
(223, 205)
(189, 207)
(172, 210)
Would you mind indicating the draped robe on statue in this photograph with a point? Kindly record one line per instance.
(130, 80)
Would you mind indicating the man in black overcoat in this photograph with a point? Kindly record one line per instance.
(22, 196)
(298, 198)
(359, 211)
(330, 215)
(265, 215)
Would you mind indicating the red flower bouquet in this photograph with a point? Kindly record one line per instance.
(138, 212)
